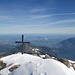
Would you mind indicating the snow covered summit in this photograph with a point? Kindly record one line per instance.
(18, 64)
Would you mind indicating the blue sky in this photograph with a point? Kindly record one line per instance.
(37, 16)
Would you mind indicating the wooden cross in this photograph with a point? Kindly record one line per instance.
(22, 43)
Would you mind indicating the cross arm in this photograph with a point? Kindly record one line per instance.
(26, 42)
(18, 42)
(21, 42)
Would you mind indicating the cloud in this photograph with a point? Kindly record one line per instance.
(39, 16)
(65, 30)
(62, 21)
(46, 15)
(37, 10)
(61, 14)
(21, 29)
(6, 19)
(18, 29)
(3, 18)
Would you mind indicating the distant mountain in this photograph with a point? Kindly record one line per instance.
(69, 44)
(34, 50)
(47, 42)
(6, 48)
(66, 48)
(11, 49)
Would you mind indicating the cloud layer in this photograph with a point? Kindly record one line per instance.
(37, 16)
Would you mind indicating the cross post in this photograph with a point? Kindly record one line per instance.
(22, 43)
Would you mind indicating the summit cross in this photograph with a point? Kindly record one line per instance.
(22, 43)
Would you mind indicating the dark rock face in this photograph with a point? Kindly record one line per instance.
(2, 65)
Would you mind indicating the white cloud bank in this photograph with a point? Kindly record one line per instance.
(29, 29)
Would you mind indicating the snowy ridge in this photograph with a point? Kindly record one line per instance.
(33, 65)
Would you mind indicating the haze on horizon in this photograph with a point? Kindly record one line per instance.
(37, 16)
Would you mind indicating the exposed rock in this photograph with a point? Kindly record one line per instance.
(73, 65)
(46, 56)
(0, 56)
(2, 65)
(36, 54)
(64, 61)
(13, 68)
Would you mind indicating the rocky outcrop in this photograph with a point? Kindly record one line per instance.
(46, 56)
(73, 65)
(13, 68)
(2, 65)
(64, 61)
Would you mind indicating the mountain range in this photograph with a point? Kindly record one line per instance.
(39, 60)
(63, 49)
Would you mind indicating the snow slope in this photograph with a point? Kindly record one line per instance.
(33, 65)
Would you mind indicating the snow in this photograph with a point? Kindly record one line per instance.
(33, 65)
